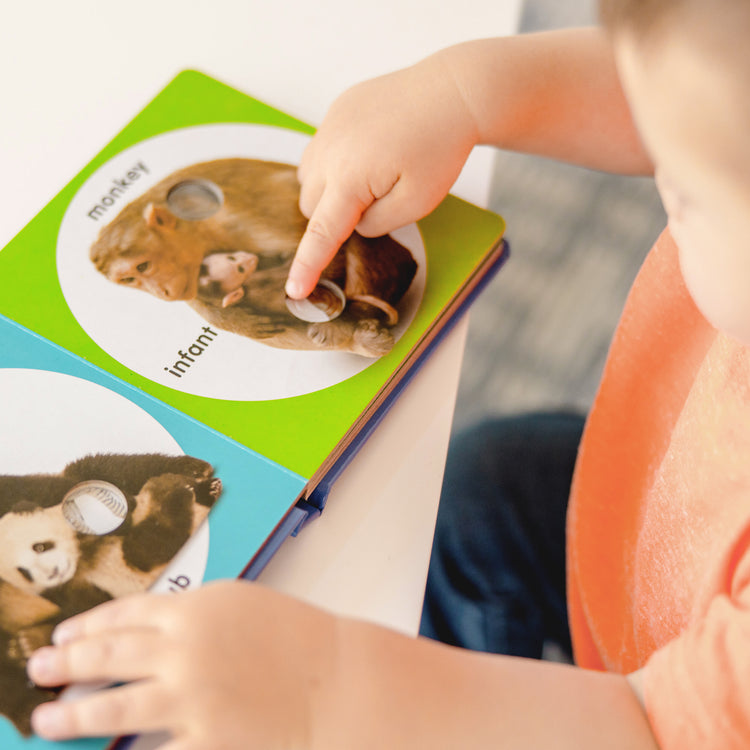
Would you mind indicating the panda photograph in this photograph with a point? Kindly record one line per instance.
(107, 525)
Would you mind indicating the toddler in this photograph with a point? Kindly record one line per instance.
(658, 529)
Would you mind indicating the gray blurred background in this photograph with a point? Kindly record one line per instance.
(539, 333)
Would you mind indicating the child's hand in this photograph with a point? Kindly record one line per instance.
(231, 665)
(386, 154)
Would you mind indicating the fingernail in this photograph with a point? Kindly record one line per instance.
(48, 720)
(41, 664)
(293, 288)
(63, 633)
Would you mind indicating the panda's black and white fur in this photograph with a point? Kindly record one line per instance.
(49, 571)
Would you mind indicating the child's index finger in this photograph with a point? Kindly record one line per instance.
(331, 223)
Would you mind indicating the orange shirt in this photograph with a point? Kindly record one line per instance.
(659, 521)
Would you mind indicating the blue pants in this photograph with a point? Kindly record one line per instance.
(497, 573)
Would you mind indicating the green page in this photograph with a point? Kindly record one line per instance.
(294, 407)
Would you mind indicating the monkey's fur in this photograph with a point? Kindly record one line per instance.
(147, 247)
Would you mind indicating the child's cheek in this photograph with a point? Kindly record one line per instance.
(715, 280)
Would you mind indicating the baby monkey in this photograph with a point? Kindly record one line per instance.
(224, 275)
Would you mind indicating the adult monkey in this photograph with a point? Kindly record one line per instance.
(149, 247)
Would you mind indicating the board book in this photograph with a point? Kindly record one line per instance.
(168, 416)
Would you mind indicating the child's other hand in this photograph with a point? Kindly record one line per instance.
(386, 154)
(230, 665)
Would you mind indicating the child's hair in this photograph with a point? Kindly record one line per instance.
(646, 16)
(720, 26)
(635, 15)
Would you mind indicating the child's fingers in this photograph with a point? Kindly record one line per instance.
(310, 190)
(140, 707)
(139, 610)
(399, 207)
(117, 656)
(331, 223)
(417, 192)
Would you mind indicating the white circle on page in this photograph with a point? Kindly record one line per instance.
(56, 419)
(186, 570)
(148, 335)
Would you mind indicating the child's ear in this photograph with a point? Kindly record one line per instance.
(158, 217)
(233, 297)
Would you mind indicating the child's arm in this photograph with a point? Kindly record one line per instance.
(390, 149)
(236, 665)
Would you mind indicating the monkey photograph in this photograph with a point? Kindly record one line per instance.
(160, 242)
(211, 242)
(53, 565)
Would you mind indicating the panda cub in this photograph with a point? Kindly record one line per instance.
(50, 569)
(42, 553)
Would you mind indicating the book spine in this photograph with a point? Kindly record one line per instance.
(298, 517)
(319, 496)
